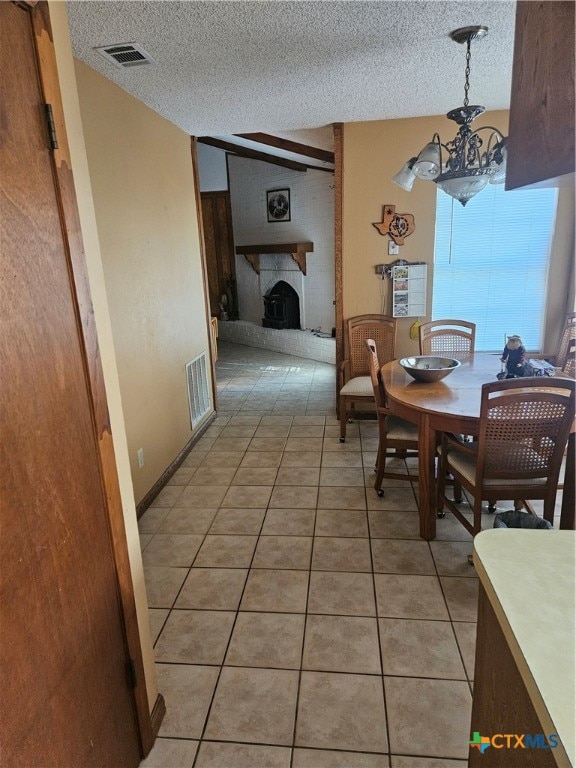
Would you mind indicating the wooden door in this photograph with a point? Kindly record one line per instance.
(219, 247)
(66, 699)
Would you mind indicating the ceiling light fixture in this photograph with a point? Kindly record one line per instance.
(464, 166)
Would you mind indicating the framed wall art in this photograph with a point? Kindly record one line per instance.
(278, 204)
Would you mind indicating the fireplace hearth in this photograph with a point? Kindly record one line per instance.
(281, 307)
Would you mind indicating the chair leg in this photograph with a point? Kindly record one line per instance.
(477, 510)
(441, 486)
(342, 419)
(458, 498)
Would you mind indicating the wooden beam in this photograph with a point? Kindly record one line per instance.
(298, 252)
(236, 149)
(289, 146)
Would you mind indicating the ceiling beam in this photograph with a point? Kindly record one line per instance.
(252, 153)
(289, 146)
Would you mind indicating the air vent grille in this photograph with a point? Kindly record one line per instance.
(198, 391)
(125, 54)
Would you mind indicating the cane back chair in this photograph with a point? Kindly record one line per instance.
(523, 431)
(455, 338)
(393, 432)
(355, 383)
(565, 345)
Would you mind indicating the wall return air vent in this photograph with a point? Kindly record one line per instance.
(198, 391)
(125, 54)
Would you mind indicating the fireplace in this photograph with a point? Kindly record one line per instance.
(281, 307)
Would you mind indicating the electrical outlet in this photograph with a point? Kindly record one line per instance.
(140, 454)
(393, 248)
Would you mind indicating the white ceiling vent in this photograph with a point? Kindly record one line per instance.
(125, 54)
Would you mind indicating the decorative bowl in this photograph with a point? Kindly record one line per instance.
(428, 368)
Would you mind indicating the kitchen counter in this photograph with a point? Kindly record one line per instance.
(527, 600)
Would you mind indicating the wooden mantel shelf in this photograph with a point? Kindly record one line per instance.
(298, 252)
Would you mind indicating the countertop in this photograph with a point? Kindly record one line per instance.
(529, 578)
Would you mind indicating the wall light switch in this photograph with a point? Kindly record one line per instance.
(393, 248)
(140, 455)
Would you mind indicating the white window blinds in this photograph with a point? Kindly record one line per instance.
(491, 263)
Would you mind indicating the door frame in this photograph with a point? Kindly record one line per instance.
(148, 722)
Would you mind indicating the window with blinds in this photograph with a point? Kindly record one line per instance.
(491, 263)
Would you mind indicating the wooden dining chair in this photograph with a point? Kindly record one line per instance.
(455, 338)
(569, 367)
(523, 431)
(393, 432)
(354, 372)
(567, 338)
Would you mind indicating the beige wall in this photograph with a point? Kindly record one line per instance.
(142, 180)
(99, 300)
(373, 152)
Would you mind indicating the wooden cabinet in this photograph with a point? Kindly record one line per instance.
(541, 132)
(219, 247)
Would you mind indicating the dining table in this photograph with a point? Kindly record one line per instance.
(452, 405)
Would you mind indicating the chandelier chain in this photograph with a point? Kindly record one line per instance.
(467, 73)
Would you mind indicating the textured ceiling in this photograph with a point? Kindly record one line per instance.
(236, 67)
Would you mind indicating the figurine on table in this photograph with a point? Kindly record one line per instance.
(513, 356)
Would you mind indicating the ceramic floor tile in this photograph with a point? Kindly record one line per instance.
(223, 459)
(428, 717)
(420, 649)
(215, 754)
(291, 552)
(276, 420)
(145, 539)
(238, 430)
(256, 496)
(397, 556)
(351, 459)
(341, 593)
(350, 476)
(272, 640)
(462, 597)
(261, 459)
(152, 519)
(194, 458)
(450, 529)
(342, 644)
(275, 590)
(301, 459)
(341, 712)
(267, 444)
(214, 589)
(255, 475)
(341, 522)
(195, 637)
(167, 753)
(223, 551)
(168, 496)
(451, 557)
(289, 522)
(312, 421)
(303, 444)
(466, 637)
(277, 430)
(341, 554)
(201, 496)
(334, 444)
(213, 475)
(254, 705)
(173, 549)
(391, 524)
(409, 597)
(294, 497)
(182, 476)
(402, 499)
(185, 520)
(401, 761)
(335, 497)
(298, 476)
(187, 690)
(239, 521)
(245, 420)
(323, 758)
(230, 444)
(156, 617)
(163, 584)
(309, 430)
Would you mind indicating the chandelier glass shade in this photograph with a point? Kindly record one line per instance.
(463, 166)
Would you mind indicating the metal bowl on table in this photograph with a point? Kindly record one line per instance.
(429, 368)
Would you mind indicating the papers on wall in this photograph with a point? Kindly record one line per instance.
(409, 290)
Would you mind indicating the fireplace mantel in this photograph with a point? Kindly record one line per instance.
(298, 252)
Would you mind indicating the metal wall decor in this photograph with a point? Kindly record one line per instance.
(397, 225)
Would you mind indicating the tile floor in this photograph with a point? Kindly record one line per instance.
(299, 620)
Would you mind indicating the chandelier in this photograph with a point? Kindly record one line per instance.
(464, 166)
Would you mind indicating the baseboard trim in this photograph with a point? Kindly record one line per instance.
(143, 505)
(153, 728)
